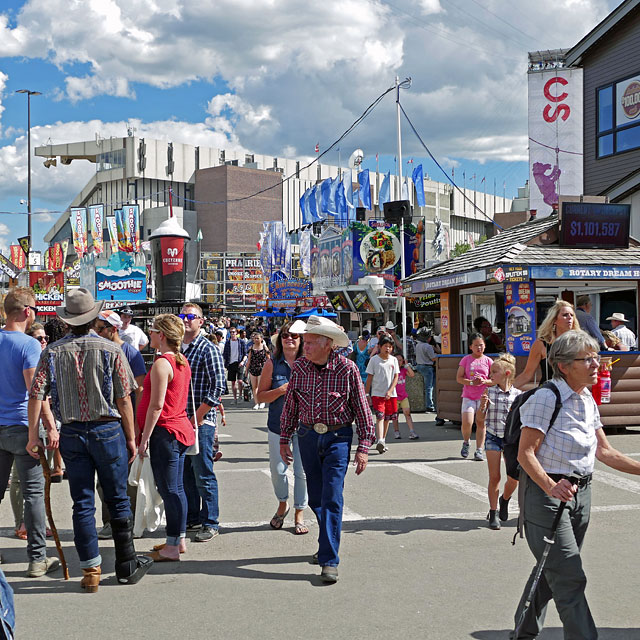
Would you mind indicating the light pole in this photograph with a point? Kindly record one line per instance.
(29, 94)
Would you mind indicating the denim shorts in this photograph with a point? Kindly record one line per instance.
(493, 443)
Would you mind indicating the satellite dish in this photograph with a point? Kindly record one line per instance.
(356, 158)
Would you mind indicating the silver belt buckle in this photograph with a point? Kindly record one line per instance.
(320, 428)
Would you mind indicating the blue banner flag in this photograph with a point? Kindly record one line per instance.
(418, 180)
(313, 207)
(341, 203)
(365, 189)
(385, 190)
(325, 188)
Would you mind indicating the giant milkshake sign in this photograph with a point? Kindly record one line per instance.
(555, 137)
(168, 244)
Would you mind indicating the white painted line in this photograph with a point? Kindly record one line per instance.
(470, 489)
(619, 482)
(350, 516)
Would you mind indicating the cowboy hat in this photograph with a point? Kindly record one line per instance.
(80, 307)
(617, 316)
(389, 326)
(322, 327)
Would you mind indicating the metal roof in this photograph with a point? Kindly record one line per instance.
(574, 55)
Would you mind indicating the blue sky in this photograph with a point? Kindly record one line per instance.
(212, 74)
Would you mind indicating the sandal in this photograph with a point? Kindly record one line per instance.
(301, 529)
(156, 557)
(21, 532)
(277, 521)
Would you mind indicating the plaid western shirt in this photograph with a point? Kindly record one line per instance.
(570, 443)
(332, 395)
(207, 375)
(499, 405)
(84, 375)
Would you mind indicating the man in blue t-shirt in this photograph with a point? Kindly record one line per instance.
(108, 325)
(20, 354)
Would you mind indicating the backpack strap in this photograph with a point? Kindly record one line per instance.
(523, 477)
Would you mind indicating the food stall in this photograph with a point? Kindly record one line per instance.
(514, 277)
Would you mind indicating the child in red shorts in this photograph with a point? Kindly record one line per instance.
(382, 377)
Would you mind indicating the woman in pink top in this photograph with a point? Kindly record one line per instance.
(403, 398)
(473, 375)
(167, 431)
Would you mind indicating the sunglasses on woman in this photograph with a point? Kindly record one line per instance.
(293, 336)
(42, 338)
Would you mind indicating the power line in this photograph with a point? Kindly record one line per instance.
(505, 21)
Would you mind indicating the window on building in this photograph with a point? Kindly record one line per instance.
(618, 111)
(110, 160)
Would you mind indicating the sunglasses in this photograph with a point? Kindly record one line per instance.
(42, 339)
(293, 336)
(34, 309)
(156, 330)
(188, 316)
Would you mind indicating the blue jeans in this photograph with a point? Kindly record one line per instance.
(87, 448)
(167, 461)
(279, 477)
(7, 610)
(200, 482)
(13, 446)
(325, 459)
(428, 375)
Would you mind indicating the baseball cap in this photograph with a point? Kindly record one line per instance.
(126, 310)
(111, 317)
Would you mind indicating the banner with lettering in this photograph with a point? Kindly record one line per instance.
(17, 256)
(445, 323)
(96, 213)
(520, 309)
(113, 233)
(131, 217)
(79, 229)
(124, 242)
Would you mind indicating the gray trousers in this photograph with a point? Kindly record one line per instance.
(563, 578)
(13, 446)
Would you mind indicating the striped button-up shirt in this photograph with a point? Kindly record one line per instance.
(333, 394)
(207, 375)
(83, 375)
(570, 443)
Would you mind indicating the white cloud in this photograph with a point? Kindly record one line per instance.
(301, 72)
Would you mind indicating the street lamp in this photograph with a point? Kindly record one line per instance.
(29, 94)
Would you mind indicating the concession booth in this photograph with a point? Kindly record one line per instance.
(513, 278)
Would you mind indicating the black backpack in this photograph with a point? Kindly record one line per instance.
(513, 425)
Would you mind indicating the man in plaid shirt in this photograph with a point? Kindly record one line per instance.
(207, 382)
(324, 397)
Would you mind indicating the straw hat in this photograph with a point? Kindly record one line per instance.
(322, 327)
(80, 307)
(617, 316)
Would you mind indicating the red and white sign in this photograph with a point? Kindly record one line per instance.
(555, 137)
(172, 255)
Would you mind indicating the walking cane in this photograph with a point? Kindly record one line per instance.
(540, 566)
(47, 508)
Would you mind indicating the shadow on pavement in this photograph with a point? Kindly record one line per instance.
(398, 526)
(554, 633)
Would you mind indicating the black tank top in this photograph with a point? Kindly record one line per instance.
(545, 373)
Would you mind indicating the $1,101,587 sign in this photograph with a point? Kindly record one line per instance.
(596, 225)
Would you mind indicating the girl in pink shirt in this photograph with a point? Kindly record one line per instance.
(403, 398)
(473, 375)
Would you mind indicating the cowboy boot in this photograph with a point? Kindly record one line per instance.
(130, 568)
(91, 579)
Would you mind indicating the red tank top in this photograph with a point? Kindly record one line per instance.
(174, 415)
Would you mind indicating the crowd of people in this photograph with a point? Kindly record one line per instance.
(78, 387)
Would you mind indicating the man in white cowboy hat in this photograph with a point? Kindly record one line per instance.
(90, 381)
(619, 327)
(325, 396)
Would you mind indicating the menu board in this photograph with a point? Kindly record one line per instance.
(520, 309)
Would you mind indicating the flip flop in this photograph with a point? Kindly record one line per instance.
(301, 529)
(277, 521)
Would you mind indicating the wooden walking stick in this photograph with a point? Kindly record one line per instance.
(47, 507)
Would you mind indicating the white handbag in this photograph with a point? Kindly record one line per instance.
(194, 449)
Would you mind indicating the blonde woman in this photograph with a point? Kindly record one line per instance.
(167, 431)
(560, 318)
(258, 355)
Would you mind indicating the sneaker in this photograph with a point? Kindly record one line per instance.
(217, 456)
(196, 526)
(439, 422)
(503, 512)
(38, 569)
(256, 407)
(205, 534)
(397, 435)
(479, 455)
(262, 405)
(430, 410)
(329, 574)
(464, 452)
(413, 435)
(380, 446)
(314, 558)
(105, 532)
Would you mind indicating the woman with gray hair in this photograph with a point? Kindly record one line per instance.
(558, 460)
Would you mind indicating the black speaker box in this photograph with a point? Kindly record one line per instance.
(397, 210)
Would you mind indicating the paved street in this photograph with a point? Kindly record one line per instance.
(417, 558)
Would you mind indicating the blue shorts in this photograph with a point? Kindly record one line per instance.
(493, 443)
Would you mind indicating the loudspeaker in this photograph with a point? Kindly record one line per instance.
(396, 211)
(360, 215)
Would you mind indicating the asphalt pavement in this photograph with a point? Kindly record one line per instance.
(417, 557)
